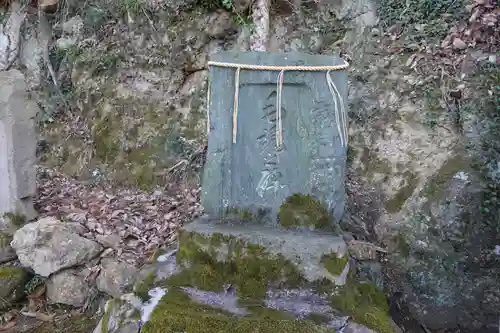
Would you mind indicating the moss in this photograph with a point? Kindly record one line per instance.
(12, 280)
(366, 304)
(333, 264)
(73, 324)
(303, 210)
(318, 318)
(242, 214)
(16, 219)
(106, 317)
(396, 203)
(373, 165)
(403, 244)
(141, 290)
(177, 313)
(434, 188)
(212, 262)
(5, 240)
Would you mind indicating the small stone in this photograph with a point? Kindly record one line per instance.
(12, 281)
(68, 287)
(65, 43)
(459, 44)
(115, 277)
(48, 246)
(73, 26)
(492, 59)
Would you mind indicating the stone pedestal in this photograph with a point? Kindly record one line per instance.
(17, 149)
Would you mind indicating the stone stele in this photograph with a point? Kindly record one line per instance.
(17, 149)
(249, 171)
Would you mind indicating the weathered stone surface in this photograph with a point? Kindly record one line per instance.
(115, 277)
(305, 250)
(68, 287)
(10, 33)
(17, 147)
(48, 245)
(121, 315)
(12, 281)
(252, 173)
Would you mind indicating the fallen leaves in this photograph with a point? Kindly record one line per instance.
(131, 222)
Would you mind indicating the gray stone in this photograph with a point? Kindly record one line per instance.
(68, 287)
(252, 173)
(115, 277)
(17, 148)
(73, 26)
(120, 315)
(48, 246)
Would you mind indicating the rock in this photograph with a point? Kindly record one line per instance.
(352, 327)
(48, 246)
(68, 287)
(121, 315)
(31, 57)
(17, 149)
(65, 43)
(115, 277)
(111, 241)
(12, 282)
(7, 253)
(73, 26)
(459, 44)
(219, 24)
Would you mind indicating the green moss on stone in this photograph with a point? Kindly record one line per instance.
(334, 264)
(176, 312)
(16, 219)
(141, 289)
(301, 210)
(366, 304)
(435, 186)
(5, 240)
(242, 214)
(396, 203)
(12, 281)
(403, 244)
(212, 262)
(372, 165)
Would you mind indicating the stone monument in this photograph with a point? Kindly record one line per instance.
(286, 133)
(17, 150)
(266, 257)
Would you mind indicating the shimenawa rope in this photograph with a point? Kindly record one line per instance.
(340, 115)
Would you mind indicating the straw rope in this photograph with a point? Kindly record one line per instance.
(340, 114)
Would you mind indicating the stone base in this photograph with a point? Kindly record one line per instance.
(251, 278)
(315, 255)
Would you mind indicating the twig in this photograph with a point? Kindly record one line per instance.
(151, 23)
